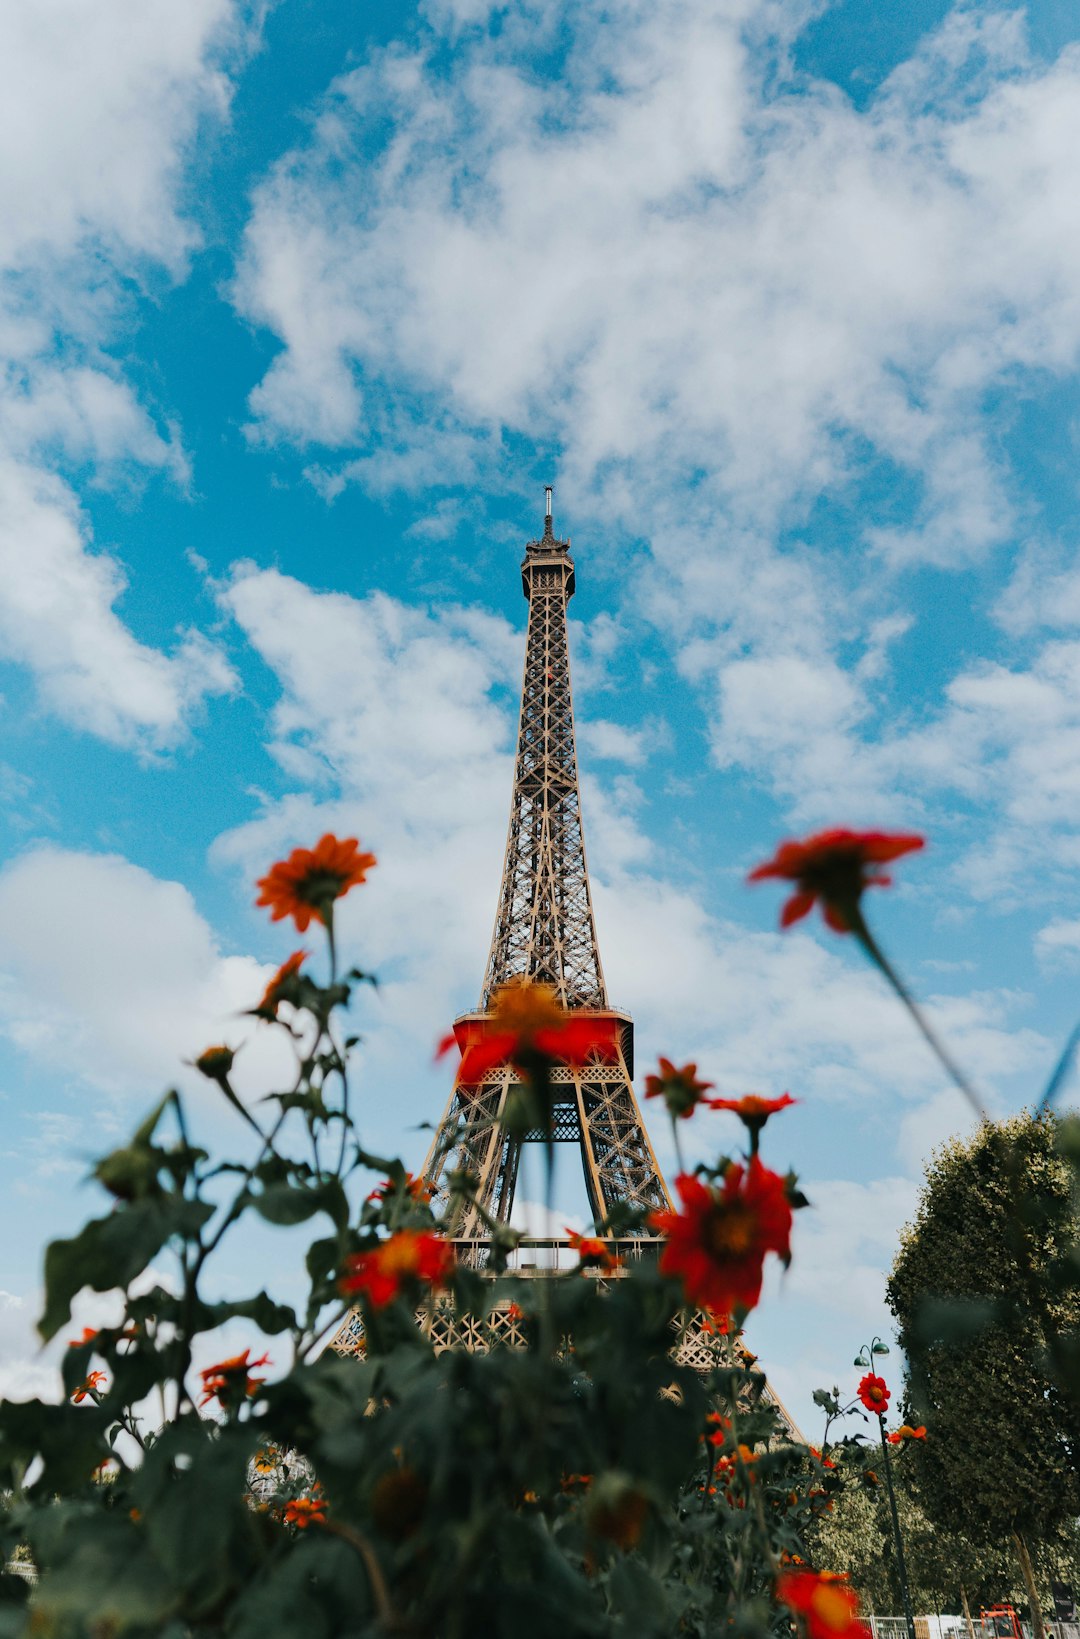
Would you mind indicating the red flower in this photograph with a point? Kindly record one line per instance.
(906, 1432)
(828, 1606)
(305, 1511)
(717, 1244)
(835, 867)
(680, 1089)
(307, 883)
(89, 1334)
(88, 1386)
(404, 1258)
(593, 1252)
(874, 1394)
(527, 1022)
(752, 1109)
(271, 996)
(230, 1382)
(416, 1188)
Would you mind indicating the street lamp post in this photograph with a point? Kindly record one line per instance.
(865, 1358)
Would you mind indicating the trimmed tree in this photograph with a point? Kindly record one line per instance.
(980, 1305)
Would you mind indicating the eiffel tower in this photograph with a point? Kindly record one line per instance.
(545, 930)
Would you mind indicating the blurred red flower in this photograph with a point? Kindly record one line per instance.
(230, 1380)
(680, 1089)
(593, 1252)
(752, 1109)
(906, 1432)
(827, 1604)
(408, 1256)
(717, 1245)
(528, 1022)
(87, 1387)
(305, 885)
(305, 1511)
(835, 867)
(271, 996)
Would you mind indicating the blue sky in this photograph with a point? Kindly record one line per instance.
(300, 307)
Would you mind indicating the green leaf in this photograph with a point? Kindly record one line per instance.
(288, 1204)
(110, 1252)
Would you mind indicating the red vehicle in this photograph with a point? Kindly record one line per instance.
(1000, 1622)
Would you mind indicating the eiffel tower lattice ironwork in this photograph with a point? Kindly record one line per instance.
(545, 930)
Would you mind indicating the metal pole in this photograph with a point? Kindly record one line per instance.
(901, 1568)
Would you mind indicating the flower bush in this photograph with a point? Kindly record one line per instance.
(592, 1483)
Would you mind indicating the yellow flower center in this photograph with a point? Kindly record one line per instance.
(523, 1007)
(832, 1607)
(400, 1255)
(730, 1231)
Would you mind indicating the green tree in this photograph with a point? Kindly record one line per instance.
(981, 1307)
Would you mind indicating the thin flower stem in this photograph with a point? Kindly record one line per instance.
(930, 1036)
(379, 1590)
(678, 1143)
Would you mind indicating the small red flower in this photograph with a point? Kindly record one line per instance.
(271, 996)
(405, 1258)
(230, 1382)
(87, 1387)
(874, 1394)
(829, 1607)
(305, 1511)
(527, 1023)
(906, 1432)
(593, 1252)
(88, 1336)
(717, 1245)
(835, 867)
(305, 885)
(752, 1109)
(416, 1188)
(680, 1089)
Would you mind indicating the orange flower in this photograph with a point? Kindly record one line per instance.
(717, 1244)
(835, 867)
(230, 1382)
(826, 1462)
(405, 1258)
(753, 1110)
(680, 1089)
(527, 1024)
(593, 1252)
(415, 1188)
(272, 995)
(88, 1386)
(88, 1336)
(305, 1511)
(514, 1311)
(215, 1063)
(828, 1606)
(906, 1432)
(307, 883)
(874, 1394)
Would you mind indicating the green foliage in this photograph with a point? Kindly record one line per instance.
(985, 1293)
(569, 1487)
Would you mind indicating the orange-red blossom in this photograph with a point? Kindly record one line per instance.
(593, 1252)
(87, 1387)
(401, 1260)
(835, 867)
(753, 1110)
(305, 1511)
(828, 1606)
(681, 1090)
(717, 1244)
(527, 1023)
(305, 885)
(272, 995)
(906, 1432)
(874, 1394)
(231, 1380)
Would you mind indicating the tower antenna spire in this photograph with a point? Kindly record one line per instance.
(547, 510)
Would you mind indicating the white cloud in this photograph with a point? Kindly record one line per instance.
(100, 107)
(1058, 943)
(113, 977)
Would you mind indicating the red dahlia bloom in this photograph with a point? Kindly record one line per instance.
(680, 1089)
(407, 1257)
(829, 1607)
(906, 1432)
(305, 885)
(874, 1394)
(835, 867)
(230, 1380)
(527, 1022)
(716, 1246)
(752, 1109)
